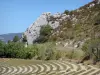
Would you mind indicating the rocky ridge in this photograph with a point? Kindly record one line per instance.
(71, 25)
(46, 18)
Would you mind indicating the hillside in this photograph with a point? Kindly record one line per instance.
(84, 23)
(77, 25)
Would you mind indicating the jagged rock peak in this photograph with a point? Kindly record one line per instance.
(33, 31)
(97, 1)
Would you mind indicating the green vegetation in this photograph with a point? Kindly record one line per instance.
(45, 32)
(16, 50)
(66, 12)
(24, 38)
(16, 39)
(92, 48)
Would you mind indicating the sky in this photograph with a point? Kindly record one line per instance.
(17, 15)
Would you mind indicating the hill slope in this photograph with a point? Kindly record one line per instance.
(84, 23)
(77, 25)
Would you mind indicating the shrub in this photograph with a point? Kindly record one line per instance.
(92, 48)
(49, 53)
(45, 30)
(2, 44)
(66, 12)
(16, 39)
(24, 38)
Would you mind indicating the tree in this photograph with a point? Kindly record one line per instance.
(24, 38)
(2, 44)
(45, 30)
(9, 41)
(66, 12)
(16, 39)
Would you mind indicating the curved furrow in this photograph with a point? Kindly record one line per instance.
(1, 70)
(20, 69)
(25, 69)
(5, 69)
(11, 69)
(31, 69)
(35, 69)
(61, 66)
(14, 70)
(69, 65)
(17, 70)
(73, 66)
(52, 72)
(97, 72)
(78, 72)
(82, 69)
(41, 68)
(53, 66)
(63, 71)
(70, 72)
(88, 70)
(49, 68)
(57, 65)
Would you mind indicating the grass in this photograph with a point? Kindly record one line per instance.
(17, 62)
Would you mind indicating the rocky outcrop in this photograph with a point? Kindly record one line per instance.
(97, 1)
(46, 18)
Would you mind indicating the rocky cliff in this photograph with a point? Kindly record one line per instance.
(46, 18)
(78, 24)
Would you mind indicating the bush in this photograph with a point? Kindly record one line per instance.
(2, 48)
(41, 39)
(16, 39)
(24, 38)
(66, 12)
(45, 30)
(49, 53)
(14, 50)
(92, 48)
(17, 50)
(45, 51)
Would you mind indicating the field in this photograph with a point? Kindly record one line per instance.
(39, 67)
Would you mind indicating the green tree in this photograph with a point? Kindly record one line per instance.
(45, 30)
(2, 44)
(66, 12)
(9, 41)
(16, 39)
(24, 38)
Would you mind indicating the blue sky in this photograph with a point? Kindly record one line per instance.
(17, 15)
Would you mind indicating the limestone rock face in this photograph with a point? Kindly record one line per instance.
(98, 1)
(33, 31)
